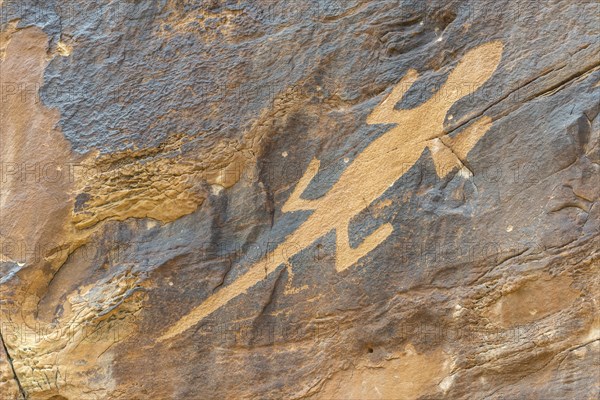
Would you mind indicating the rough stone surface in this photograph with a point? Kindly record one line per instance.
(390, 199)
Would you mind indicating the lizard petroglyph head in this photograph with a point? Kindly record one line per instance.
(425, 121)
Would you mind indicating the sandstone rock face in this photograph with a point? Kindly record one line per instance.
(329, 199)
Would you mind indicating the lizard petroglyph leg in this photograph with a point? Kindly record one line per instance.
(385, 112)
(449, 153)
(346, 256)
(295, 203)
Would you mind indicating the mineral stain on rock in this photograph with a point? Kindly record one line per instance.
(533, 300)
(406, 375)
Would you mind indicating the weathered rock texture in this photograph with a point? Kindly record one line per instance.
(330, 199)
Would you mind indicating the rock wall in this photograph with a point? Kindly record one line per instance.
(328, 199)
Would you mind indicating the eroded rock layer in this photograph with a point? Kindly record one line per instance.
(330, 199)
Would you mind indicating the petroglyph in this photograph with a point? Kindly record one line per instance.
(377, 168)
